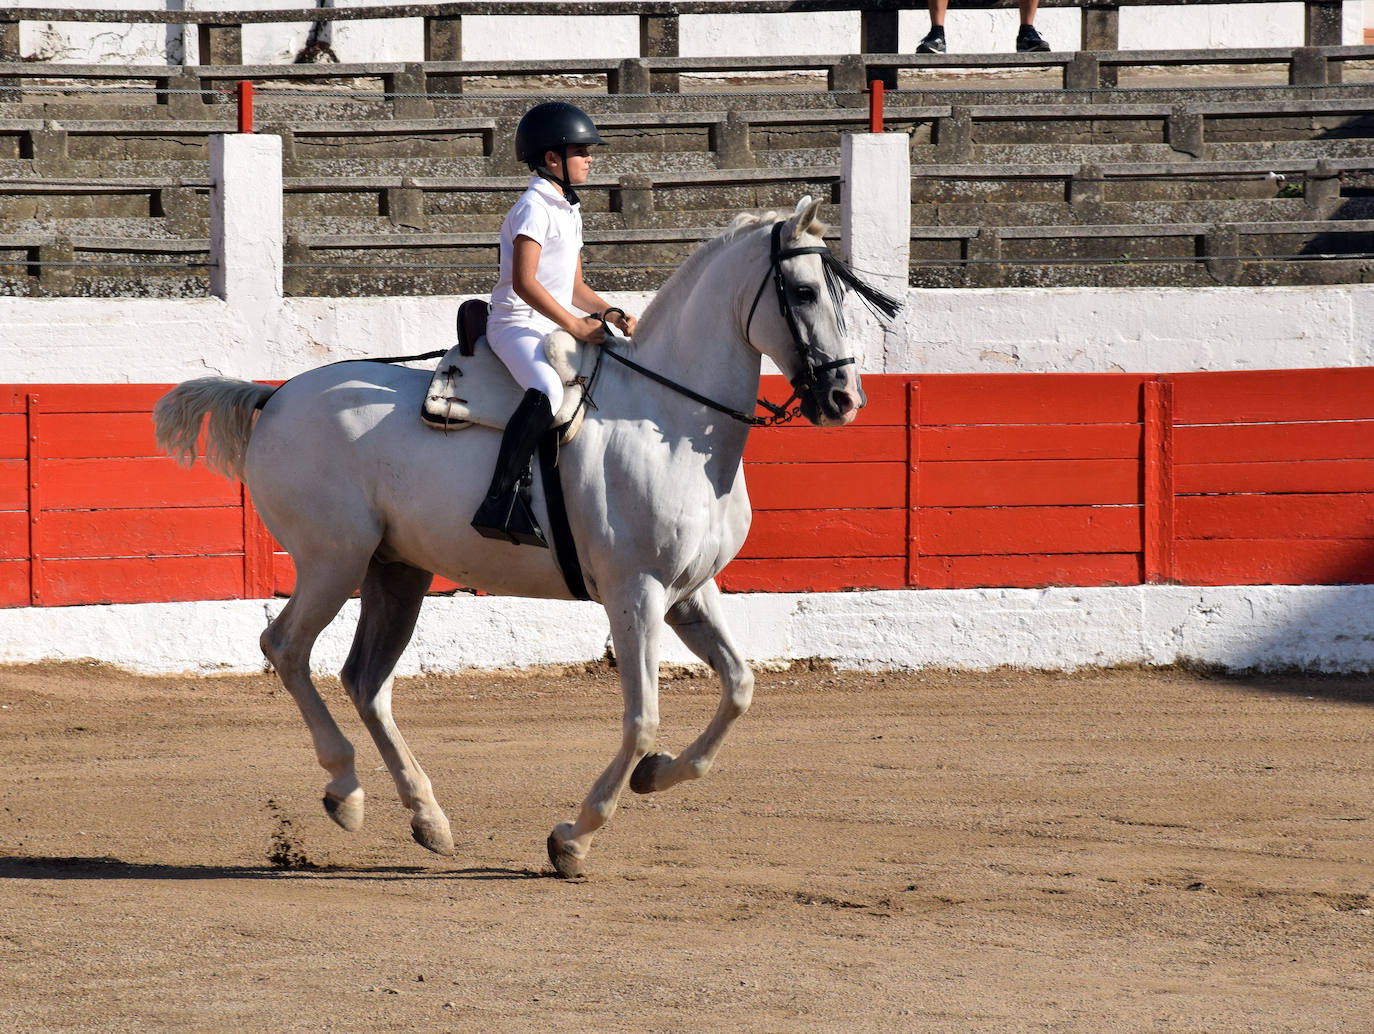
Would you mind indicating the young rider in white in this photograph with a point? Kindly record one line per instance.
(540, 283)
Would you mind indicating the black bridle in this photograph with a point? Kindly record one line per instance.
(809, 377)
(837, 277)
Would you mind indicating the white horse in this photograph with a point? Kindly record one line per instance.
(363, 496)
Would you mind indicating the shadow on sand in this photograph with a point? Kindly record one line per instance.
(1335, 688)
(103, 867)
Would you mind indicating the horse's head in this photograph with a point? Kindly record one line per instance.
(804, 333)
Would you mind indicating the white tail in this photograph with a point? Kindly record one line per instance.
(232, 407)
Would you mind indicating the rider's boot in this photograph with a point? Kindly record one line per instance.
(505, 513)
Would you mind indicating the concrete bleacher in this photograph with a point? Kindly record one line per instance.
(396, 176)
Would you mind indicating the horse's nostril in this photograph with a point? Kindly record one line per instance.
(842, 401)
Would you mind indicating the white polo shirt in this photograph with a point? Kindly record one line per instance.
(543, 215)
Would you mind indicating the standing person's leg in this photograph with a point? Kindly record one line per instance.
(1027, 39)
(934, 42)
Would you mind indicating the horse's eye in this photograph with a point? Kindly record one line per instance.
(805, 295)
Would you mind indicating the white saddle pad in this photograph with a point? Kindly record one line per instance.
(478, 389)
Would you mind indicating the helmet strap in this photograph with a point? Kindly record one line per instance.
(562, 181)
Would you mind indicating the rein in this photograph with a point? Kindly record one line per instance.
(779, 412)
(836, 276)
(390, 360)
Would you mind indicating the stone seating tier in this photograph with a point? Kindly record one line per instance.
(1140, 254)
(414, 193)
(641, 200)
(1203, 128)
(1208, 251)
(432, 89)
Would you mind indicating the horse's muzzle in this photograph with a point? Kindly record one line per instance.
(833, 405)
(844, 406)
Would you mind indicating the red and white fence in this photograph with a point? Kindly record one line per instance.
(946, 481)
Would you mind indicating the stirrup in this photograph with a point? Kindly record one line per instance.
(510, 518)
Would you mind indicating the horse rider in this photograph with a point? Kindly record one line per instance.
(539, 286)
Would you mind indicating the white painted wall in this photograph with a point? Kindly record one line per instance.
(128, 340)
(1135, 330)
(499, 38)
(1321, 628)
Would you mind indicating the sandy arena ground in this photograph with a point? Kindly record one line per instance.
(1102, 853)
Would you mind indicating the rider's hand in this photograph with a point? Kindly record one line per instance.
(587, 328)
(626, 324)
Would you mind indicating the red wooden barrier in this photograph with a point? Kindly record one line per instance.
(92, 512)
(945, 481)
(830, 506)
(1275, 477)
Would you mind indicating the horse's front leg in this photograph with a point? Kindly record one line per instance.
(636, 618)
(700, 625)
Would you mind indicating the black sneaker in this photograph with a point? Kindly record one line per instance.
(934, 42)
(1028, 41)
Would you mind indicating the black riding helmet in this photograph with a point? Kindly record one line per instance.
(552, 126)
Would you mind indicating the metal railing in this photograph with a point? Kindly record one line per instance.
(220, 32)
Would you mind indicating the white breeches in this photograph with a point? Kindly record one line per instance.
(522, 350)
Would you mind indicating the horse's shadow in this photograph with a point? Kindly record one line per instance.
(104, 867)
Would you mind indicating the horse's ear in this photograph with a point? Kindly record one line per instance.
(804, 220)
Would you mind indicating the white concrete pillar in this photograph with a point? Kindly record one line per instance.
(875, 233)
(246, 231)
(875, 195)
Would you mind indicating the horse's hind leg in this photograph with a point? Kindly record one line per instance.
(391, 598)
(699, 624)
(322, 587)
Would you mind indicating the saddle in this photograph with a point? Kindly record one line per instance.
(472, 386)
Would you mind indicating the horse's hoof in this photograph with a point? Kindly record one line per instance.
(565, 863)
(346, 811)
(433, 836)
(645, 776)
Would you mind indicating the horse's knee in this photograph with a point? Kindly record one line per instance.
(641, 733)
(338, 757)
(369, 709)
(349, 678)
(370, 695)
(288, 655)
(740, 695)
(358, 691)
(600, 810)
(270, 647)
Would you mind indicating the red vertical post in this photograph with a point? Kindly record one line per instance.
(1158, 522)
(875, 106)
(913, 485)
(35, 505)
(259, 549)
(245, 98)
